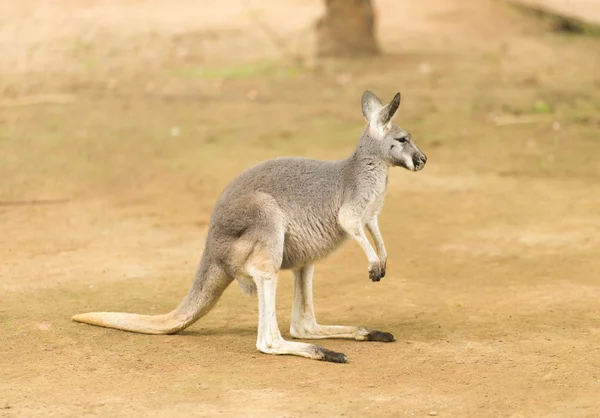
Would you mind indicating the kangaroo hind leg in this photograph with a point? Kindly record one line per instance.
(304, 323)
(263, 266)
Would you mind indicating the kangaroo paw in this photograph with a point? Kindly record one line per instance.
(376, 272)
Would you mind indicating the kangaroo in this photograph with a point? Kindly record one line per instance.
(288, 213)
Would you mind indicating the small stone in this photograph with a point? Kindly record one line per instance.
(425, 68)
(432, 413)
(344, 78)
(252, 94)
(112, 84)
(44, 326)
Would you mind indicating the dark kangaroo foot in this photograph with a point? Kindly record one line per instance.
(331, 356)
(384, 337)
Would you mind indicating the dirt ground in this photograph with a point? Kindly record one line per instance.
(121, 122)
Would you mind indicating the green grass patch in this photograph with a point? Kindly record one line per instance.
(261, 69)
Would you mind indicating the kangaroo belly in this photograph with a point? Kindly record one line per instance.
(308, 239)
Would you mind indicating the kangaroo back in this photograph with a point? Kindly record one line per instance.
(208, 286)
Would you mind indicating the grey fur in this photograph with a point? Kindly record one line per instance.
(288, 213)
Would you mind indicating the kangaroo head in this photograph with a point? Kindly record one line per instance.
(387, 140)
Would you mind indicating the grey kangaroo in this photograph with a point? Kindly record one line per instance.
(287, 213)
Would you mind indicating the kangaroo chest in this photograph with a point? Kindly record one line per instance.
(368, 196)
(376, 198)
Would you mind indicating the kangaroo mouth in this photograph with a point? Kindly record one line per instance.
(410, 165)
(418, 167)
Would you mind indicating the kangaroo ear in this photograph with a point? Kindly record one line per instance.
(387, 113)
(371, 105)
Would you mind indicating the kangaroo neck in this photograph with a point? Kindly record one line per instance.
(363, 166)
(363, 157)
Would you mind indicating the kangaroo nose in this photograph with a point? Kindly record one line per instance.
(419, 161)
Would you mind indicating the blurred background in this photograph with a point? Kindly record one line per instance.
(122, 121)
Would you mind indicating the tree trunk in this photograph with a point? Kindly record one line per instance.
(347, 29)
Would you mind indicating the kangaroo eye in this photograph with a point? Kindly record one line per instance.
(402, 140)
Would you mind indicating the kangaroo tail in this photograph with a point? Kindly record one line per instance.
(208, 286)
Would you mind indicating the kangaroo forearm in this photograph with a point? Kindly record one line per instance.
(373, 228)
(362, 240)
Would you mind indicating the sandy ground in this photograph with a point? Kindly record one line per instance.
(585, 10)
(121, 124)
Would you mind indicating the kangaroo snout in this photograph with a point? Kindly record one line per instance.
(419, 161)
